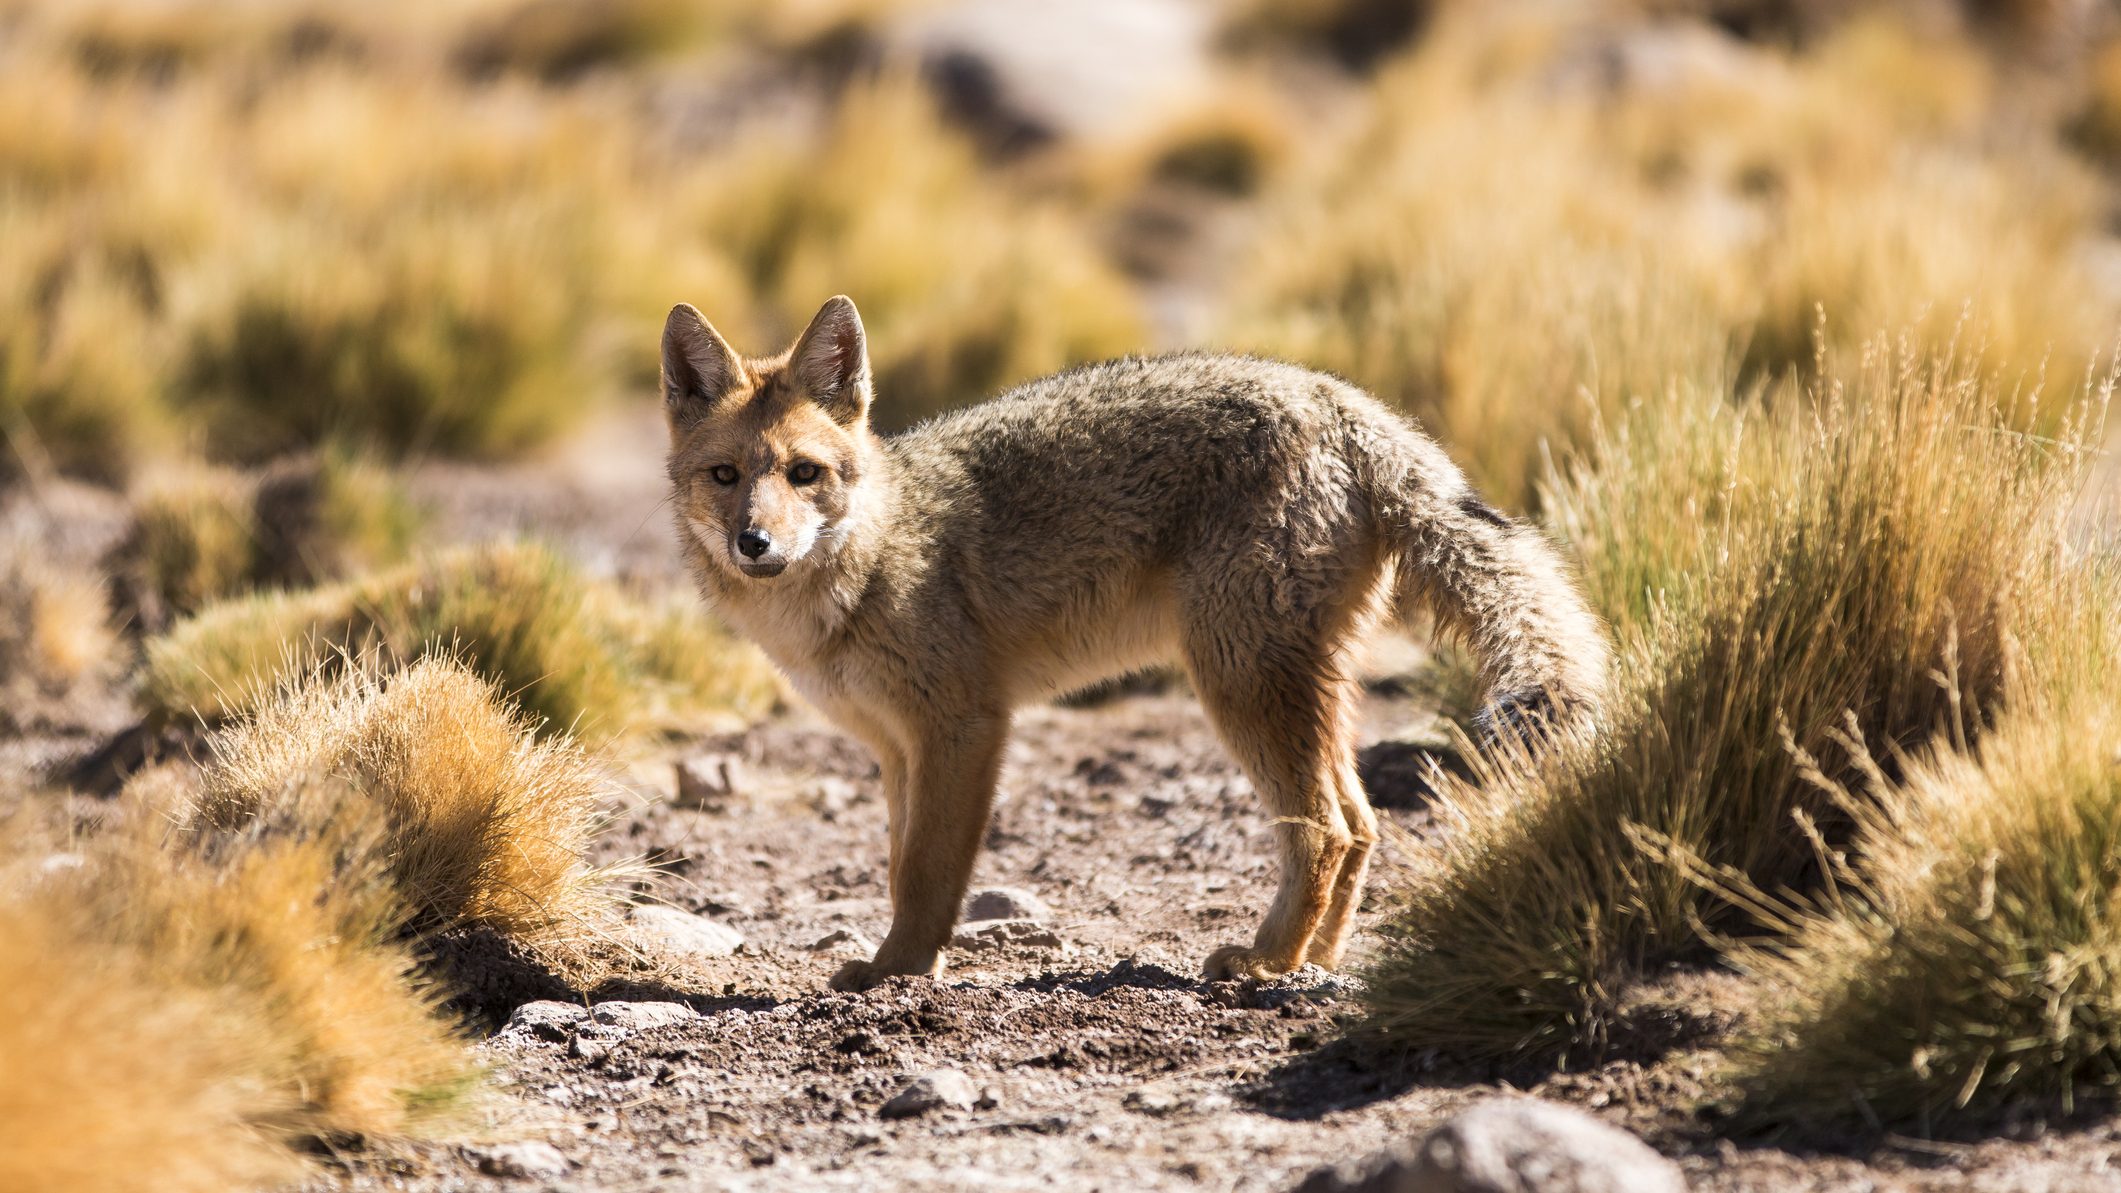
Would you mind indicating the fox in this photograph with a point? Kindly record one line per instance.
(1249, 520)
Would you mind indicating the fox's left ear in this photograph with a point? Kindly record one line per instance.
(831, 362)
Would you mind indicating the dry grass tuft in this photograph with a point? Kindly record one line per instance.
(577, 654)
(482, 822)
(192, 1013)
(114, 1083)
(55, 632)
(200, 535)
(964, 288)
(1967, 963)
(1829, 563)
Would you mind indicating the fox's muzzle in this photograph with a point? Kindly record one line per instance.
(757, 555)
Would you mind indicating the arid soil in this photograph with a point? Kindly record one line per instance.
(1097, 1058)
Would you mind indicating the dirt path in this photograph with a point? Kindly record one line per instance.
(1099, 1061)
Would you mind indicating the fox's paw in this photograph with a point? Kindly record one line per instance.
(857, 976)
(1237, 961)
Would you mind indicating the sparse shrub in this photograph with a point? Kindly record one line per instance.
(115, 1083)
(1968, 961)
(55, 636)
(1830, 563)
(581, 655)
(481, 821)
(204, 534)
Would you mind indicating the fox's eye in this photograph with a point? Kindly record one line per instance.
(803, 473)
(723, 474)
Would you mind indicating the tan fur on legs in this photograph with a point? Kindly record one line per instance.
(950, 780)
(1331, 942)
(1286, 731)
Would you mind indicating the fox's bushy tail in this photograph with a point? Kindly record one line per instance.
(1490, 581)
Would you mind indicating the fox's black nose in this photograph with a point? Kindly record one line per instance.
(753, 543)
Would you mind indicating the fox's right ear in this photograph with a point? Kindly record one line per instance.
(699, 366)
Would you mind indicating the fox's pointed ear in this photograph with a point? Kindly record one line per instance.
(831, 361)
(699, 366)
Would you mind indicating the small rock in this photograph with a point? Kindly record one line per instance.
(640, 1016)
(846, 943)
(708, 782)
(584, 1048)
(830, 797)
(1154, 1102)
(683, 934)
(544, 1019)
(1006, 903)
(1513, 1145)
(932, 1091)
(522, 1161)
(998, 934)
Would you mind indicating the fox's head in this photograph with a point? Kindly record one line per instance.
(766, 455)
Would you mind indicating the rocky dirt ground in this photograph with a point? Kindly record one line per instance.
(1092, 1057)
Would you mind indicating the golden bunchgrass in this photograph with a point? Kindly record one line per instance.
(1824, 561)
(55, 631)
(1681, 221)
(481, 821)
(964, 288)
(1968, 962)
(200, 534)
(578, 654)
(115, 1082)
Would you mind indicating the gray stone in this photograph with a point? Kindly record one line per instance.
(545, 1019)
(529, 1160)
(682, 934)
(1023, 72)
(1001, 934)
(640, 1016)
(708, 781)
(1512, 1145)
(845, 942)
(1005, 903)
(943, 1088)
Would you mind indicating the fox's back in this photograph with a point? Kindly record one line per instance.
(1064, 510)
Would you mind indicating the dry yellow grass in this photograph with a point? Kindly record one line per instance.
(1773, 573)
(55, 629)
(1681, 222)
(333, 264)
(1969, 962)
(201, 534)
(195, 1014)
(481, 822)
(113, 1082)
(963, 287)
(580, 655)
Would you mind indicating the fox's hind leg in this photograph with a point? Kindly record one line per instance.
(1284, 715)
(1332, 938)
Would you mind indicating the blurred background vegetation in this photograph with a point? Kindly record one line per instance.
(235, 230)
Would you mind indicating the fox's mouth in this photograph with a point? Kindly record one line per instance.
(760, 571)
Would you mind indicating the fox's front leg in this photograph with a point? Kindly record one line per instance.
(936, 833)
